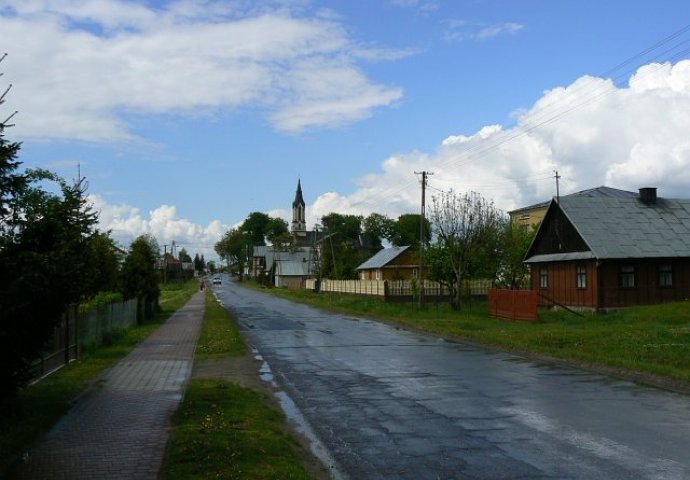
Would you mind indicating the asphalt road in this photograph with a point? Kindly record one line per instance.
(386, 403)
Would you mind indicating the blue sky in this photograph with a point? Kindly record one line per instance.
(186, 116)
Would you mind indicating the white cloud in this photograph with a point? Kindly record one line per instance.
(591, 131)
(457, 30)
(81, 66)
(127, 222)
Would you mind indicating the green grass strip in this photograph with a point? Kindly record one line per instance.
(223, 430)
(219, 336)
(226, 431)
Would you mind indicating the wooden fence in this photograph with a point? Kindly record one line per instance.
(514, 304)
(396, 290)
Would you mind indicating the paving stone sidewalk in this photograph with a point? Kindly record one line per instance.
(120, 427)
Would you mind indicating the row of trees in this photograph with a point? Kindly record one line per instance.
(52, 255)
(236, 245)
(349, 240)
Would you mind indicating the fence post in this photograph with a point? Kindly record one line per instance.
(67, 337)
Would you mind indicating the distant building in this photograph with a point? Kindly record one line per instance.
(290, 266)
(394, 263)
(603, 252)
(532, 215)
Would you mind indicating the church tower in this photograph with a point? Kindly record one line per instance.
(299, 223)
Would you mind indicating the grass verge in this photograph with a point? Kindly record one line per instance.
(31, 413)
(219, 337)
(654, 339)
(223, 430)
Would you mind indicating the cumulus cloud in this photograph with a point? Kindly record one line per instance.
(591, 131)
(126, 222)
(80, 67)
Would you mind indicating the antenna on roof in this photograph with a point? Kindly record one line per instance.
(558, 193)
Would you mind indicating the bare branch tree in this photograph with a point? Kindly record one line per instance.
(466, 227)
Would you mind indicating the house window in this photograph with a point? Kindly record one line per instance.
(415, 273)
(378, 274)
(627, 276)
(665, 275)
(543, 277)
(581, 276)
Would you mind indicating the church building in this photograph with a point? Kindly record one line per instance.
(289, 267)
(303, 237)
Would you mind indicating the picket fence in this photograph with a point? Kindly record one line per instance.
(392, 290)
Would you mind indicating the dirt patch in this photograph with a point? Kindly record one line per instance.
(244, 371)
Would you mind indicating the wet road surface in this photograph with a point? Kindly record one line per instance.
(387, 403)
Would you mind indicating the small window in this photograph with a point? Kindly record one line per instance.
(627, 276)
(665, 275)
(378, 274)
(582, 276)
(543, 277)
(415, 273)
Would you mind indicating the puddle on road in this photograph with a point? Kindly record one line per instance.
(317, 448)
(295, 417)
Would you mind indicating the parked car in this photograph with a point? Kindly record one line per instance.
(216, 280)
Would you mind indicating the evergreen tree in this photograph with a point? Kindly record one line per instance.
(138, 277)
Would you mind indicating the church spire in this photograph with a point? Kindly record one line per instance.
(299, 223)
(298, 195)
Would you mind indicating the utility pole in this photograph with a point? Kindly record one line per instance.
(558, 194)
(424, 175)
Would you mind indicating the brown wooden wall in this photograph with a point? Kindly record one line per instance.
(603, 290)
(646, 290)
(562, 284)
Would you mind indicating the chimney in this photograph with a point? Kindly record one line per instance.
(648, 194)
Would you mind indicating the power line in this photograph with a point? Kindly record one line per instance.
(555, 111)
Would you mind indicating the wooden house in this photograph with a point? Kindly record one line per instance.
(394, 263)
(602, 253)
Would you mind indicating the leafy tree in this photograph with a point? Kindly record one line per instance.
(104, 266)
(467, 227)
(284, 242)
(515, 239)
(199, 263)
(405, 230)
(342, 248)
(211, 266)
(256, 226)
(183, 256)
(233, 248)
(376, 228)
(437, 260)
(138, 277)
(276, 227)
